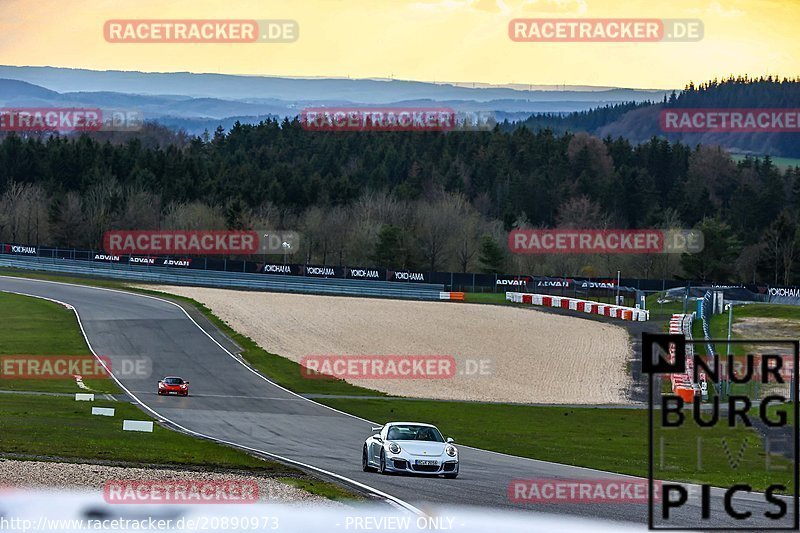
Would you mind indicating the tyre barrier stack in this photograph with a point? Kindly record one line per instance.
(682, 384)
(585, 306)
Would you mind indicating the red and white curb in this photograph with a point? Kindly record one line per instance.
(585, 306)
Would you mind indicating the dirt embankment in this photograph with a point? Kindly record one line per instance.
(527, 356)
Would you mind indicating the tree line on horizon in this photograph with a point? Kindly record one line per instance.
(640, 120)
(432, 201)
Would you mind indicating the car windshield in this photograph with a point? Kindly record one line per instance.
(173, 381)
(410, 432)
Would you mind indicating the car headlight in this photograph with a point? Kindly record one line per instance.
(451, 451)
(394, 447)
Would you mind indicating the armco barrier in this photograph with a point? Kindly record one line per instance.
(586, 306)
(234, 280)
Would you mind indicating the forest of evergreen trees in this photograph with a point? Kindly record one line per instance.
(439, 201)
(634, 120)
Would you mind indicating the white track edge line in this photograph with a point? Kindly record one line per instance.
(393, 499)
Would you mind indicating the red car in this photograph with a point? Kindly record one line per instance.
(173, 385)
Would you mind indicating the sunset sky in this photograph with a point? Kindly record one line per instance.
(425, 40)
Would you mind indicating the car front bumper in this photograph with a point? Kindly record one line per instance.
(168, 391)
(402, 464)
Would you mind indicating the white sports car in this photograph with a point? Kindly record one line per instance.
(410, 447)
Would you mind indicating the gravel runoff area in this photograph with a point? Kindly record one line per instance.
(529, 356)
(751, 327)
(91, 478)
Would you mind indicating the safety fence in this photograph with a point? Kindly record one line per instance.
(707, 308)
(607, 289)
(585, 306)
(683, 384)
(595, 288)
(237, 280)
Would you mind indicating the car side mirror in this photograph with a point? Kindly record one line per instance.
(377, 437)
(185, 382)
(450, 440)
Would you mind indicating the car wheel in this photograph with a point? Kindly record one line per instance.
(364, 461)
(383, 463)
(451, 476)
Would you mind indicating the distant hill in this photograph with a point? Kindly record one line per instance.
(639, 121)
(365, 91)
(196, 102)
(12, 91)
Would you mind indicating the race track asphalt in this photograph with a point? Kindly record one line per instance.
(231, 403)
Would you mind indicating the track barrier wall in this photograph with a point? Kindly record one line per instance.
(682, 384)
(230, 280)
(596, 289)
(585, 306)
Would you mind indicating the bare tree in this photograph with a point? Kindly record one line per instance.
(436, 222)
(194, 216)
(141, 210)
(468, 235)
(69, 227)
(23, 214)
(101, 203)
(312, 225)
(339, 229)
(581, 212)
(747, 262)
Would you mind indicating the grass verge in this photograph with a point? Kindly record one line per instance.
(60, 426)
(33, 327)
(320, 488)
